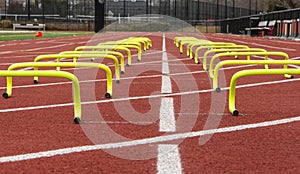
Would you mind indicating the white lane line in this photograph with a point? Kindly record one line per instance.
(166, 87)
(40, 48)
(166, 81)
(165, 67)
(167, 122)
(159, 139)
(166, 114)
(54, 46)
(168, 160)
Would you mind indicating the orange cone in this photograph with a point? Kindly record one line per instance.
(39, 34)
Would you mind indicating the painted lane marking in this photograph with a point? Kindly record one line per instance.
(158, 139)
(166, 81)
(167, 122)
(168, 159)
(166, 87)
(166, 114)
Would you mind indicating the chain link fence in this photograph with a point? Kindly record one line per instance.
(79, 14)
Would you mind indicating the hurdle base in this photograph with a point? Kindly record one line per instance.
(235, 113)
(107, 95)
(76, 120)
(5, 95)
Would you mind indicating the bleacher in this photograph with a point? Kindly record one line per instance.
(286, 29)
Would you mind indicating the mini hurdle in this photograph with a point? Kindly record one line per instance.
(114, 53)
(190, 43)
(58, 57)
(106, 48)
(248, 62)
(190, 46)
(237, 48)
(36, 65)
(67, 75)
(265, 54)
(122, 42)
(129, 46)
(178, 39)
(252, 72)
(145, 40)
(210, 46)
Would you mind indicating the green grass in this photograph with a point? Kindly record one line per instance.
(26, 36)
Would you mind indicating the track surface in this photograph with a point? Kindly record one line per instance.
(126, 134)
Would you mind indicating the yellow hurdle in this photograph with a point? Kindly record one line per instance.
(129, 46)
(252, 72)
(190, 42)
(285, 63)
(190, 46)
(114, 53)
(178, 39)
(146, 41)
(67, 75)
(36, 65)
(232, 54)
(237, 48)
(106, 48)
(58, 58)
(209, 46)
(122, 42)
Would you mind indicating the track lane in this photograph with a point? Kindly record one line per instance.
(189, 147)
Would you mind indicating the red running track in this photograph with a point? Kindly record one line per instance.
(122, 134)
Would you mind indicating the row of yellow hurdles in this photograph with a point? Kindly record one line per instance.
(114, 50)
(226, 49)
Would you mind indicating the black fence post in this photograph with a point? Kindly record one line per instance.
(43, 11)
(233, 8)
(99, 15)
(28, 9)
(175, 8)
(147, 6)
(250, 3)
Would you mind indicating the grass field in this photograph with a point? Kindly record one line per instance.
(6, 36)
